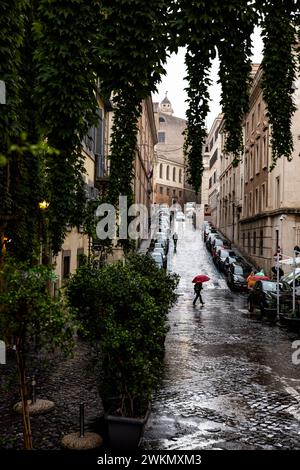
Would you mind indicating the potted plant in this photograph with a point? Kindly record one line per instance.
(290, 318)
(133, 300)
(29, 315)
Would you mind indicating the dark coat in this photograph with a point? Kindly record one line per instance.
(198, 287)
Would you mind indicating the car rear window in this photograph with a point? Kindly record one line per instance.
(238, 270)
(272, 286)
(224, 253)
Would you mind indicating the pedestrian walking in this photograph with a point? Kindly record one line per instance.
(250, 280)
(197, 289)
(274, 272)
(175, 239)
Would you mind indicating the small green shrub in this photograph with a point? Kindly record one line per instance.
(125, 306)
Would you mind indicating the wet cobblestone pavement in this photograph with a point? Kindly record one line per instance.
(229, 381)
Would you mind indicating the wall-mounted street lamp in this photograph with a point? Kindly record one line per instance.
(43, 205)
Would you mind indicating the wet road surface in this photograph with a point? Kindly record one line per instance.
(229, 380)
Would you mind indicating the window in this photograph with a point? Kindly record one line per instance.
(180, 176)
(168, 173)
(263, 197)
(278, 191)
(161, 119)
(249, 240)
(261, 243)
(254, 242)
(265, 152)
(215, 177)
(168, 191)
(174, 192)
(161, 190)
(80, 257)
(257, 208)
(258, 112)
(161, 170)
(174, 174)
(251, 165)
(161, 137)
(252, 122)
(246, 168)
(66, 263)
(210, 183)
(257, 158)
(213, 159)
(216, 134)
(244, 239)
(180, 193)
(250, 203)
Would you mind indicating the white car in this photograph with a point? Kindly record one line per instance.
(180, 216)
(158, 258)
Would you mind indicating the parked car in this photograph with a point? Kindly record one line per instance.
(162, 251)
(180, 217)
(289, 279)
(215, 246)
(210, 240)
(222, 257)
(263, 296)
(160, 244)
(158, 258)
(190, 213)
(236, 279)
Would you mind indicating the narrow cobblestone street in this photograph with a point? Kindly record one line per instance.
(229, 381)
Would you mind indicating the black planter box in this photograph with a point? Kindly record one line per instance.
(291, 322)
(125, 433)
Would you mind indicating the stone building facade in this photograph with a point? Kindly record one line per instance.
(170, 181)
(259, 209)
(210, 181)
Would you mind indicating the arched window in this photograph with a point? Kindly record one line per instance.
(161, 119)
(174, 173)
(168, 173)
(161, 170)
(180, 176)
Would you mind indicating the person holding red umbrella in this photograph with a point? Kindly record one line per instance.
(198, 280)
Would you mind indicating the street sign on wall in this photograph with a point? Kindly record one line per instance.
(2, 92)
(2, 352)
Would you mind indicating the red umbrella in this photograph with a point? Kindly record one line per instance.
(201, 278)
(260, 278)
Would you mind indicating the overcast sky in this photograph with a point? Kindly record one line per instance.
(174, 82)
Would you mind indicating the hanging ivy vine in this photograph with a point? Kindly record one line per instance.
(67, 33)
(279, 72)
(197, 64)
(197, 30)
(11, 37)
(234, 47)
(132, 50)
(52, 54)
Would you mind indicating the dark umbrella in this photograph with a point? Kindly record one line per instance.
(201, 278)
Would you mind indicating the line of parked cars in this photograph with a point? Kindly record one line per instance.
(159, 246)
(235, 268)
(262, 296)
